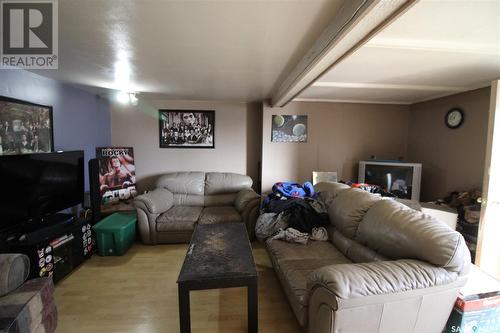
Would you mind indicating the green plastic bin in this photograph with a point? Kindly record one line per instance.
(115, 234)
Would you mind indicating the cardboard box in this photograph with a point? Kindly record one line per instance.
(476, 311)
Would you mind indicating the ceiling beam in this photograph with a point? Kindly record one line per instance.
(362, 85)
(354, 24)
(352, 101)
(434, 45)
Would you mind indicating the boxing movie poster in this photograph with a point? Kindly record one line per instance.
(187, 129)
(116, 173)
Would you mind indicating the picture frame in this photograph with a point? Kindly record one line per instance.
(25, 127)
(117, 178)
(289, 128)
(187, 129)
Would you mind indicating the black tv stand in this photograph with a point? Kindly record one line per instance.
(57, 218)
(37, 230)
(59, 244)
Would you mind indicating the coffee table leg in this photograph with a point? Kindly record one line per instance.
(184, 315)
(252, 298)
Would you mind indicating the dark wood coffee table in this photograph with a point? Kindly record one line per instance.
(219, 256)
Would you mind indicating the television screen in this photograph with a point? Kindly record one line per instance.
(397, 180)
(401, 179)
(36, 185)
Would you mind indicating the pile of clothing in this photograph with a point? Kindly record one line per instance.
(294, 213)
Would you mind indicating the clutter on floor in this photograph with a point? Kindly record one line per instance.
(477, 308)
(468, 206)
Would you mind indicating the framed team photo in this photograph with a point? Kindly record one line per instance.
(25, 127)
(187, 128)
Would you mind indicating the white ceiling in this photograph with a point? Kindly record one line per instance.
(437, 48)
(215, 50)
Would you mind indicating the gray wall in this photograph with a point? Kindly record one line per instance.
(81, 119)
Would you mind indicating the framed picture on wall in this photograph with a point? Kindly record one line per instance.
(289, 128)
(116, 173)
(187, 128)
(25, 127)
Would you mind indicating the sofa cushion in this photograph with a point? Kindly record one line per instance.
(219, 199)
(348, 208)
(178, 218)
(351, 248)
(329, 190)
(225, 182)
(280, 250)
(294, 262)
(188, 200)
(396, 231)
(183, 182)
(219, 214)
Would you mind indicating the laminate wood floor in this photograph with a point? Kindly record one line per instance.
(137, 292)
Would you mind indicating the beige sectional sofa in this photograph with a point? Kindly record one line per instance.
(385, 268)
(181, 200)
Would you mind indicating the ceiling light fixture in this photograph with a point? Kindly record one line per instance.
(122, 97)
(127, 97)
(133, 98)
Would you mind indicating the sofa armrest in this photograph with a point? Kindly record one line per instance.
(155, 202)
(14, 269)
(244, 198)
(410, 295)
(348, 281)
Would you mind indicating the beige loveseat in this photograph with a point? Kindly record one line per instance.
(182, 200)
(385, 268)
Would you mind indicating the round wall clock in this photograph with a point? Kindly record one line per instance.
(454, 118)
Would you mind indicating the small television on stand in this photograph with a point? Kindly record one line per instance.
(398, 178)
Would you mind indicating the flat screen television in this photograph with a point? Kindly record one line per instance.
(34, 186)
(400, 179)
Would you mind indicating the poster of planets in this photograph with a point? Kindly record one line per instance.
(287, 128)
